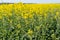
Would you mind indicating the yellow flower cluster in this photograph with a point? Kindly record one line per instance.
(30, 32)
(26, 10)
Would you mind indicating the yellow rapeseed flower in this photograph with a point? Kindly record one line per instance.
(25, 16)
(57, 13)
(38, 28)
(0, 17)
(30, 15)
(55, 16)
(9, 14)
(10, 21)
(4, 14)
(30, 32)
(18, 26)
(45, 15)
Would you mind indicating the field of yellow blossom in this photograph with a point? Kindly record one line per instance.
(20, 21)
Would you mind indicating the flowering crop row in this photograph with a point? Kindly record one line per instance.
(29, 21)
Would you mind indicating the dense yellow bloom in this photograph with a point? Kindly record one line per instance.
(9, 14)
(25, 16)
(5, 14)
(30, 15)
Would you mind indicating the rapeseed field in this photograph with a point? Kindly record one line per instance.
(21, 21)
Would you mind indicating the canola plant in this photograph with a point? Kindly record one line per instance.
(29, 21)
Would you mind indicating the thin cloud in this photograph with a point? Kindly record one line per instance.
(30, 1)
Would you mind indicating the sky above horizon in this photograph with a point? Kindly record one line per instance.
(30, 1)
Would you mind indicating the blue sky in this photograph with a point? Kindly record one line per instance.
(31, 1)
